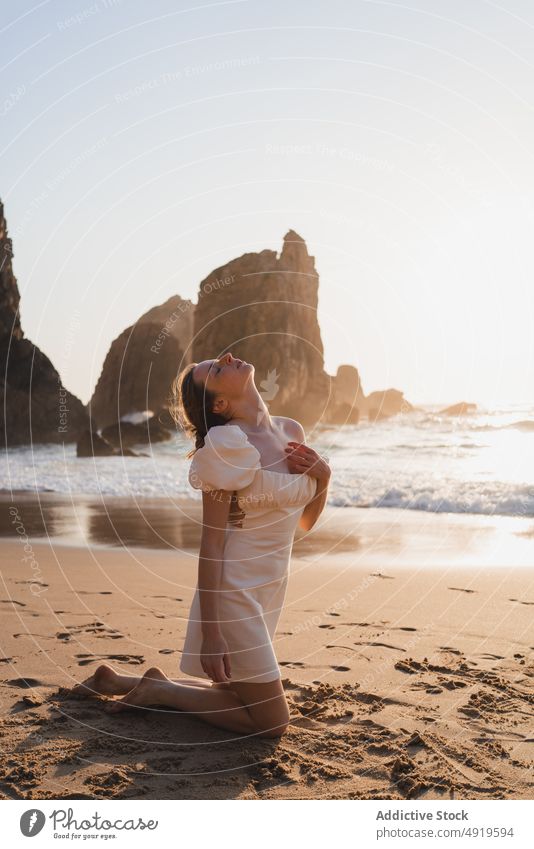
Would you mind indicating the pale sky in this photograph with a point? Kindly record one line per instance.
(145, 144)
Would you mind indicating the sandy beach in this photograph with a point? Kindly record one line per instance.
(404, 681)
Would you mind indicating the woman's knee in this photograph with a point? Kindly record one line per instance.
(275, 731)
(267, 706)
(272, 720)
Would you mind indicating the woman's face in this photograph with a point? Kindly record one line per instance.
(226, 376)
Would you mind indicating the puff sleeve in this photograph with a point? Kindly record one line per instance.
(227, 460)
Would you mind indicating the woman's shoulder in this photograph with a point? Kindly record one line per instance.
(225, 433)
(291, 427)
(227, 460)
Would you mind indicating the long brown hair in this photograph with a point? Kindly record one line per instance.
(191, 407)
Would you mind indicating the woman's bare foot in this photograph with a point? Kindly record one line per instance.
(106, 682)
(103, 682)
(147, 692)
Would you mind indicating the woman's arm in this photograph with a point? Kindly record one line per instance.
(214, 656)
(315, 507)
(215, 508)
(301, 458)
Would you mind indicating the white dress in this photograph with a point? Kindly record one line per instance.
(257, 550)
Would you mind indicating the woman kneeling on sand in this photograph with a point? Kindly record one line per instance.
(259, 481)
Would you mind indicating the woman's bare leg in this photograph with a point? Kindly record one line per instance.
(106, 682)
(217, 706)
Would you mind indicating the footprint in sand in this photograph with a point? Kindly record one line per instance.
(369, 624)
(292, 664)
(340, 668)
(349, 648)
(452, 683)
(410, 666)
(12, 601)
(168, 597)
(310, 706)
(462, 590)
(33, 634)
(382, 645)
(27, 702)
(327, 626)
(24, 683)
(380, 575)
(93, 592)
(329, 704)
(39, 583)
(98, 628)
(110, 636)
(432, 689)
(86, 659)
(288, 684)
(510, 599)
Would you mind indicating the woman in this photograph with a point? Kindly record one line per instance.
(253, 496)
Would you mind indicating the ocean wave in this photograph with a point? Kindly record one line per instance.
(525, 425)
(428, 463)
(432, 503)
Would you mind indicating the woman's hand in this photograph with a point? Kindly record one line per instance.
(215, 658)
(301, 458)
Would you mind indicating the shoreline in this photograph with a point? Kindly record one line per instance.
(361, 535)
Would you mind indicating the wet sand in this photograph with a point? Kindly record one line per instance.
(367, 536)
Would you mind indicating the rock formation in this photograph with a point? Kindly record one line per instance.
(347, 402)
(462, 408)
(386, 403)
(263, 308)
(36, 407)
(142, 362)
(90, 444)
